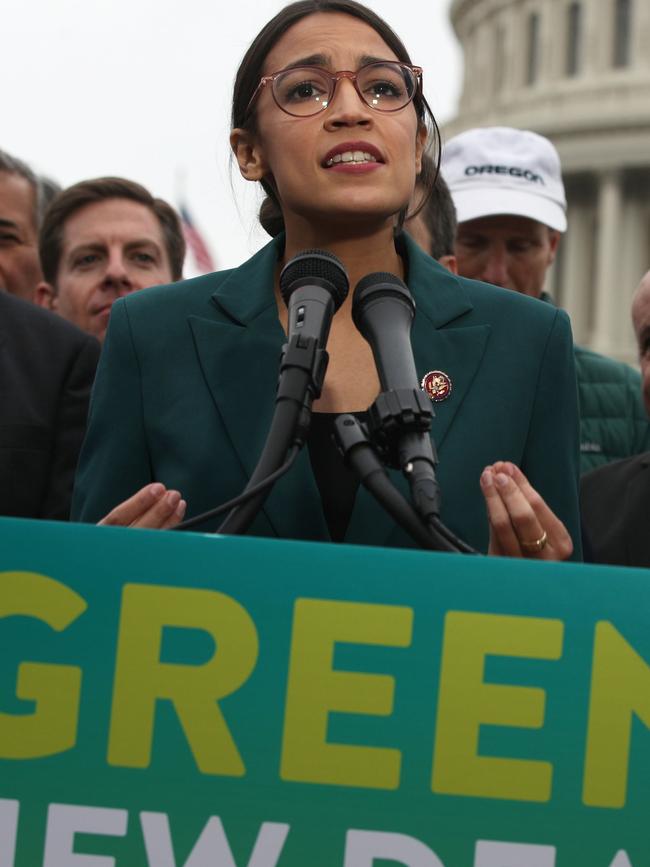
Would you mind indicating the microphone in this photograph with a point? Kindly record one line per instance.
(383, 310)
(313, 285)
(400, 419)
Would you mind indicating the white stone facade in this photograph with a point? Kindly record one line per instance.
(577, 71)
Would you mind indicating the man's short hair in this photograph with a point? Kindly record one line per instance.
(44, 189)
(439, 216)
(66, 203)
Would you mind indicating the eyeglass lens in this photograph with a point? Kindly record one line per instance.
(304, 91)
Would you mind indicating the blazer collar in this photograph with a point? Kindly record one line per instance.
(439, 294)
(247, 292)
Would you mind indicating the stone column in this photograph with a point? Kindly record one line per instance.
(633, 254)
(641, 35)
(520, 47)
(608, 257)
(509, 21)
(597, 36)
(577, 271)
(554, 40)
(468, 39)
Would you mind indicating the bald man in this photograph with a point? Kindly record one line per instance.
(615, 499)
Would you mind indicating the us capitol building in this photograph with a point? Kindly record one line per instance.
(578, 72)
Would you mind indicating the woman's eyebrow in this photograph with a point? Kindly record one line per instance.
(311, 60)
(326, 61)
(368, 58)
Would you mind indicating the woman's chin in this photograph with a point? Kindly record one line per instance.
(355, 216)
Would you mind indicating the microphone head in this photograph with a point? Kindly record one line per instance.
(324, 268)
(380, 285)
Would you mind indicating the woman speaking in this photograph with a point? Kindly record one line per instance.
(330, 118)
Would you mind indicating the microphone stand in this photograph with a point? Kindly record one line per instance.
(302, 372)
(399, 422)
(354, 444)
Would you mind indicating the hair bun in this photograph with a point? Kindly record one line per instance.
(271, 218)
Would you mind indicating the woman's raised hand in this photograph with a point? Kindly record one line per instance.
(153, 506)
(521, 523)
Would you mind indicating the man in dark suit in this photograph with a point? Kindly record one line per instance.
(47, 367)
(24, 198)
(615, 499)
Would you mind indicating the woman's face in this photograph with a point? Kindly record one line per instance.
(297, 153)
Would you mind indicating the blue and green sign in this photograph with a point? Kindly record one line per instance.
(173, 700)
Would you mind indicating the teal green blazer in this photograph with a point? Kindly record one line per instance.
(186, 385)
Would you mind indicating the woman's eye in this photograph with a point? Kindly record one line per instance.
(385, 88)
(303, 90)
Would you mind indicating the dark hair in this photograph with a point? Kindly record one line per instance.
(66, 203)
(43, 188)
(439, 216)
(251, 69)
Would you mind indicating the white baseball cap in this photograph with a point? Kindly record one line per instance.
(501, 170)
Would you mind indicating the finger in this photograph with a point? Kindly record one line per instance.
(559, 540)
(539, 505)
(158, 516)
(130, 510)
(503, 541)
(176, 517)
(525, 523)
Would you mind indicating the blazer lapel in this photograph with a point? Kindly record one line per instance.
(239, 351)
(441, 341)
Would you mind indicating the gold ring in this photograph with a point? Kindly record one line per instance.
(536, 546)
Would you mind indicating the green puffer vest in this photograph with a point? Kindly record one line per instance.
(613, 422)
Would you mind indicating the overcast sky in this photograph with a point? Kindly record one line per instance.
(142, 89)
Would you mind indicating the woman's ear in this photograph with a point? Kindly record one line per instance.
(420, 145)
(248, 154)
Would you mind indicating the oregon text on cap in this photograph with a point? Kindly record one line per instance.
(515, 171)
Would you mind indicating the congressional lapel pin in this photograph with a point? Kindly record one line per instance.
(436, 385)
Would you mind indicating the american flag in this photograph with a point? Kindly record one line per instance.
(195, 243)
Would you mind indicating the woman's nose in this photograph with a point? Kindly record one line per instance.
(346, 107)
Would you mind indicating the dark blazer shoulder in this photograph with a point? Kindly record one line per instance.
(506, 303)
(614, 505)
(614, 477)
(47, 367)
(21, 320)
(243, 289)
(435, 287)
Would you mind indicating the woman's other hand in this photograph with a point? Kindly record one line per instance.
(521, 523)
(153, 507)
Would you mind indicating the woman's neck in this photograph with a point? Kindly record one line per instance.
(362, 252)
